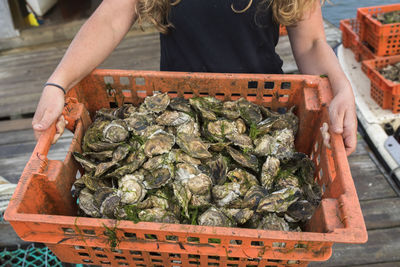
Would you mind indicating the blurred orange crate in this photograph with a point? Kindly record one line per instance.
(350, 29)
(43, 210)
(282, 30)
(383, 38)
(385, 92)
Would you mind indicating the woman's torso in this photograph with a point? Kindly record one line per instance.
(208, 36)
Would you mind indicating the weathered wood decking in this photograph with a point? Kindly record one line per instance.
(23, 71)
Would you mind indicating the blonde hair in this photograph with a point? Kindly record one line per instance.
(285, 12)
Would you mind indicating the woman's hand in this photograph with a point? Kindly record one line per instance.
(49, 110)
(342, 113)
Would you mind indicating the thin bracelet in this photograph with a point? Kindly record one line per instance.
(56, 85)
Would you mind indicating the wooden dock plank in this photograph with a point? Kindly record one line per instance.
(383, 246)
(381, 213)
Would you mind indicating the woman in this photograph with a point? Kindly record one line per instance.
(211, 36)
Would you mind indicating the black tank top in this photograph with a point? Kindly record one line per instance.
(208, 36)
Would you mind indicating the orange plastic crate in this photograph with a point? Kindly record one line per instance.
(42, 209)
(383, 38)
(385, 92)
(282, 30)
(350, 39)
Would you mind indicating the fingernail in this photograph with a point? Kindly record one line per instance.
(38, 126)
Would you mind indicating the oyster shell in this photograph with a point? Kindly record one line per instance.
(86, 164)
(190, 128)
(115, 132)
(272, 222)
(158, 143)
(280, 145)
(157, 215)
(158, 177)
(125, 111)
(101, 194)
(109, 205)
(86, 203)
(193, 146)
(226, 194)
(301, 210)
(104, 167)
(199, 184)
(241, 140)
(121, 152)
(131, 188)
(214, 217)
(249, 112)
(286, 179)
(99, 156)
(269, 171)
(201, 201)
(246, 160)
(157, 103)
(90, 182)
(312, 193)
(137, 122)
(240, 216)
(202, 107)
(177, 155)
(230, 110)
(218, 168)
(180, 104)
(221, 128)
(183, 195)
(245, 179)
(253, 196)
(173, 118)
(279, 201)
(240, 126)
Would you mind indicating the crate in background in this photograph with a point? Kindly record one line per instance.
(383, 38)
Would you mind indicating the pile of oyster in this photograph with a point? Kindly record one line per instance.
(198, 161)
(388, 17)
(391, 72)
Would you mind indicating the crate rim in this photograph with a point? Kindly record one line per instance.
(369, 64)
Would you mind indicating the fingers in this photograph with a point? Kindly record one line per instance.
(350, 133)
(60, 127)
(325, 135)
(336, 116)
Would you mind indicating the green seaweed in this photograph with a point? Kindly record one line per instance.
(132, 213)
(111, 233)
(254, 132)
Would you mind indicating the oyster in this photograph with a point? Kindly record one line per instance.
(241, 140)
(93, 135)
(156, 162)
(269, 171)
(272, 222)
(158, 143)
(185, 171)
(201, 105)
(279, 201)
(312, 193)
(286, 179)
(221, 128)
(87, 165)
(121, 152)
(90, 182)
(177, 155)
(199, 184)
(220, 146)
(240, 216)
(388, 17)
(131, 188)
(249, 112)
(137, 122)
(193, 146)
(98, 156)
(301, 165)
(218, 168)
(240, 126)
(101, 194)
(86, 203)
(109, 205)
(180, 104)
(301, 210)
(246, 160)
(253, 197)
(230, 110)
(158, 177)
(125, 111)
(201, 200)
(280, 145)
(173, 118)
(190, 128)
(183, 195)
(157, 215)
(226, 194)
(277, 121)
(104, 167)
(214, 217)
(157, 103)
(245, 179)
(115, 132)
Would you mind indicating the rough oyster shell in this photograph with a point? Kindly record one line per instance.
(180, 104)
(131, 188)
(193, 146)
(115, 132)
(86, 203)
(214, 217)
(272, 222)
(157, 103)
(224, 195)
(269, 171)
(158, 143)
(279, 201)
(173, 118)
(246, 160)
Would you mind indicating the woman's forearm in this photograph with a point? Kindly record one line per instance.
(95, 41)
(320, 59)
